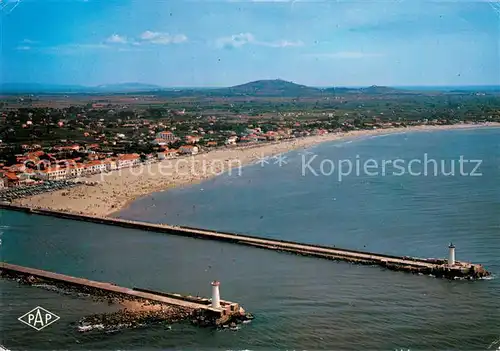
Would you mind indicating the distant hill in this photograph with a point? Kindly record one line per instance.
(275, 87)
(375, 89)
(258, 88)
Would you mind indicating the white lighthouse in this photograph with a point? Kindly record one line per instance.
(451, 255)
(215, 294)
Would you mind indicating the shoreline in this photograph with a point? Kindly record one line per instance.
(118, 189)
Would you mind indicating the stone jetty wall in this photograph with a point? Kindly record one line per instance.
(438, 268)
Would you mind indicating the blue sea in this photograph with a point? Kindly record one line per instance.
(299, 302)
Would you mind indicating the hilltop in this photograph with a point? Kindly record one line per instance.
(274, 87)
(259, 88)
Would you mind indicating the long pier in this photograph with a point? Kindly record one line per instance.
(435, 267)
(220, 314)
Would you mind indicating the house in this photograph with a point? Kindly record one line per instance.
(28, 174)
(74, 147)
(167, 154)
(19, 167)
(271, 135)
(53, 173)
(211, 143)
(128, 160)
(231, 140)
(94, 167)
(12, 179)
(111, 164)
(249, 139)
(169, 137)
(35, 155)
(75, 170)
(192, 139)
(160, 142)
(188, 150)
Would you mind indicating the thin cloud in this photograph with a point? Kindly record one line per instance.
(235, 41)
(116, 39)
(344, 55)
(68, 49)
(147, 37)
(25, 44)
(160, 38)
(239, 40)
(282, 43)
(114, 42)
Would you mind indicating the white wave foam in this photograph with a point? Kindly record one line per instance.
(85, 328)
(491, 277)
(344, 143)
(495, 343)
(48, 287)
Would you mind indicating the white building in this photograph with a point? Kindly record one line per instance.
(128, 160)
(231, 140)
(95, 167)
(160, 142)
(111, 165)
(53, 173)
(167, 136)
(166, 154)
(188, 150)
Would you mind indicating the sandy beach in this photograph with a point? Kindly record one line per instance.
(115, 190)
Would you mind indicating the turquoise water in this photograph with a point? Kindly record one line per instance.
(300, 303)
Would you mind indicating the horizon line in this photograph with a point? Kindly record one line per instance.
(158, 86)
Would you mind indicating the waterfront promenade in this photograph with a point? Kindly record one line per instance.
(435, 267)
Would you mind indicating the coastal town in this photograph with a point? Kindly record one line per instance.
(96, 153)
(249, 174)
(40, 143)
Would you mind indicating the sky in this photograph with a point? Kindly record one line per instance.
(211, 43)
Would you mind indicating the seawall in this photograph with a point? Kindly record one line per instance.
(438, 268)
(197, 305)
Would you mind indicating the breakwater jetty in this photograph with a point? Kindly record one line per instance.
(201, 311)
(442, 268)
